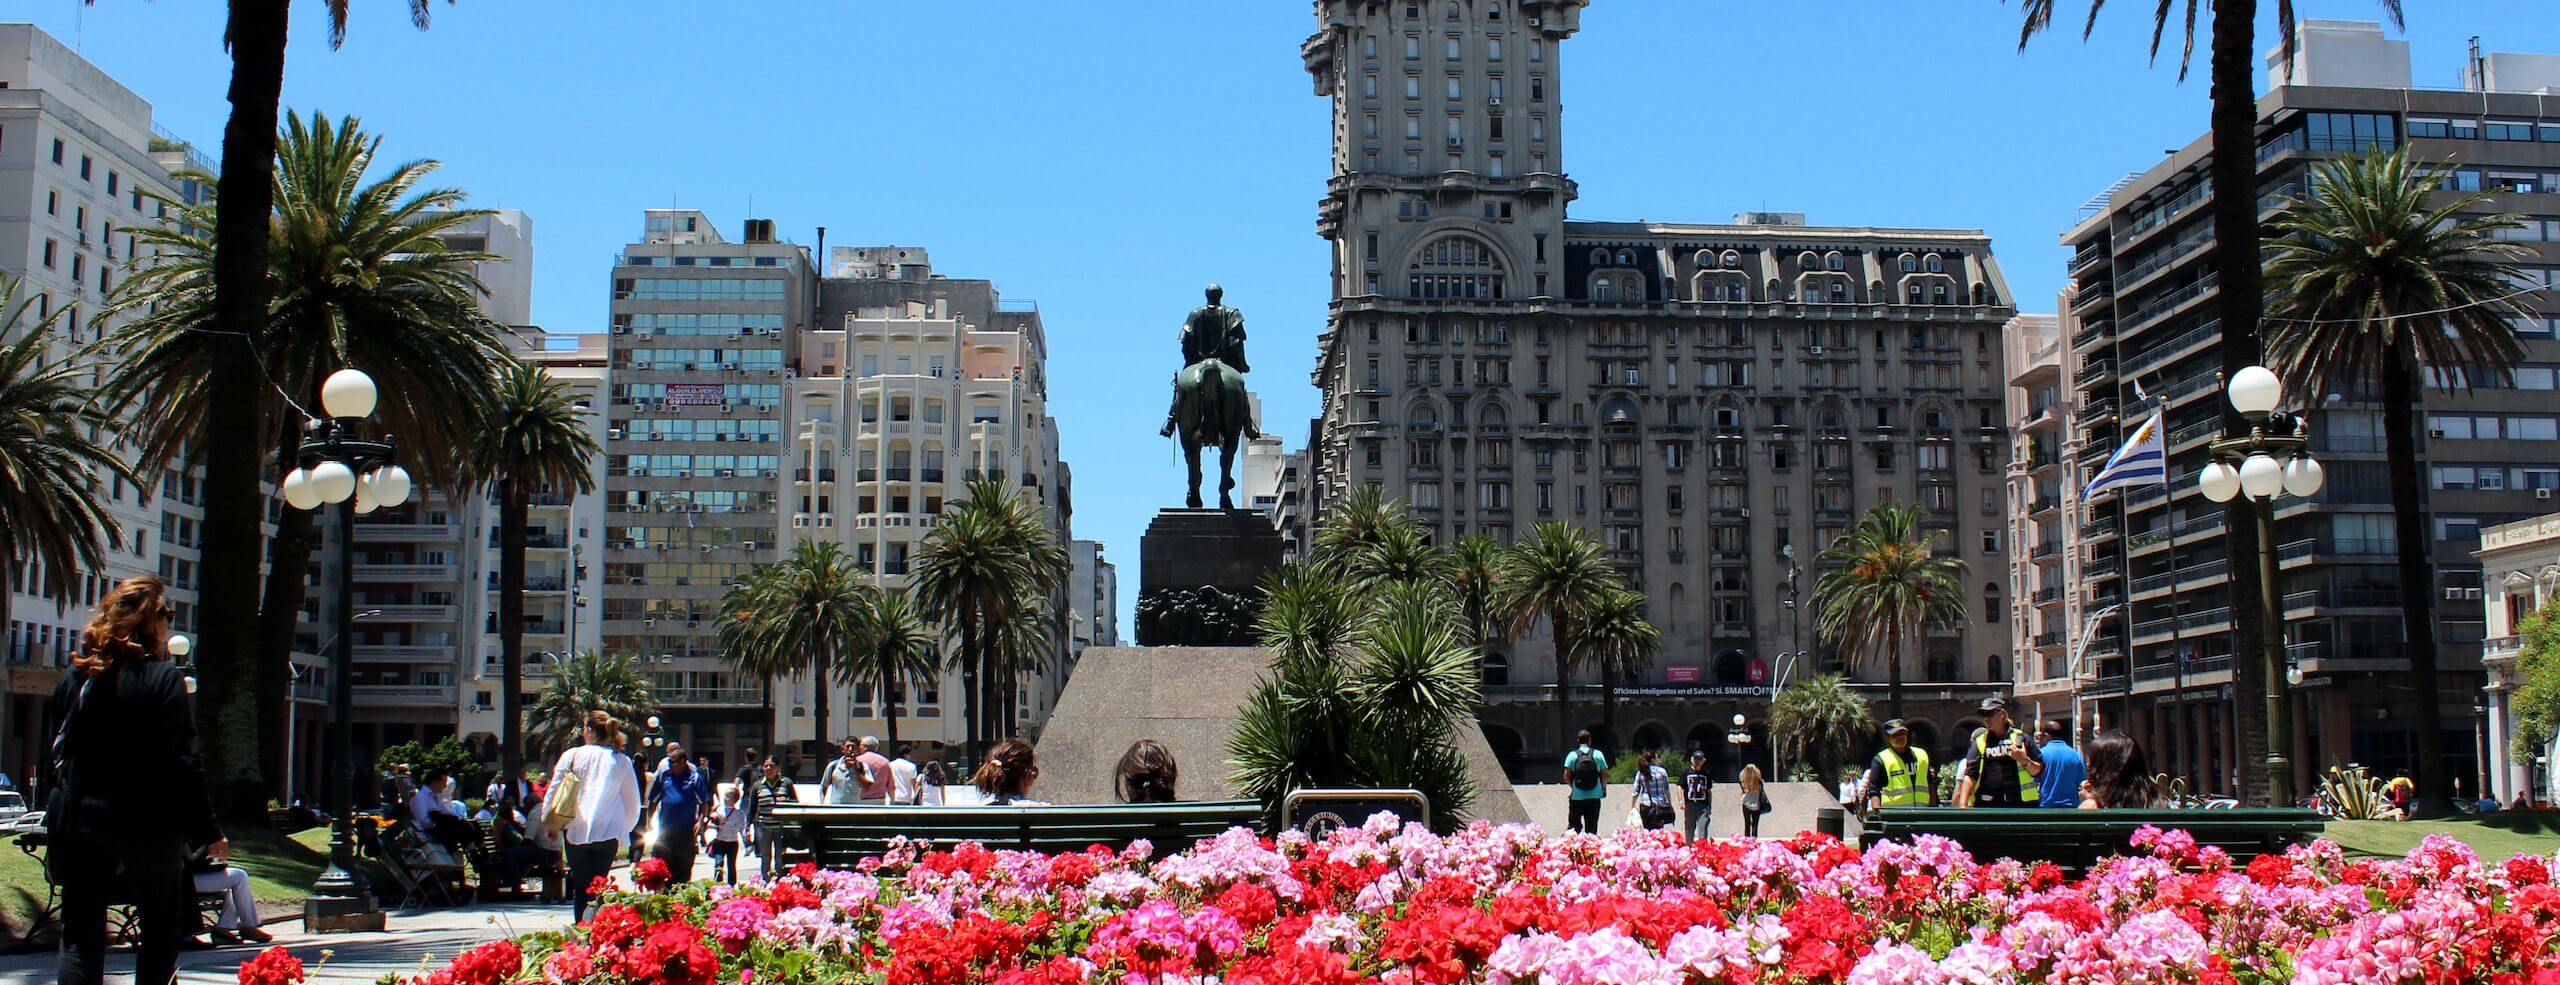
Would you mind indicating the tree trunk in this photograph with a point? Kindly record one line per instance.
(969, 673)
(889, 711)
(1609, 698)
(1564, 681)
(2417, 577)
(227, 604)
(513, 505)
(2237, 302)
(279, 614)
(818, 693)
(1892, 669)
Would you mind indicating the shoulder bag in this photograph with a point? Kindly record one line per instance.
(560, 808)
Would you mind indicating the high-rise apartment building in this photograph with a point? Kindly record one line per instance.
(2147, 339)
(702, 333)
(80, 162)
(1093, 593)
(2044, 511)
(1716, 402)
(733, 368)
(946, 383)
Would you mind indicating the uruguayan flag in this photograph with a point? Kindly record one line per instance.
(2143, 459)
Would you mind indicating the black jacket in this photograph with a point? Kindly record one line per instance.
(133, 768)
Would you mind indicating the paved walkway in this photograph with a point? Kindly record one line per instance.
(415, 942)
(1792, 807)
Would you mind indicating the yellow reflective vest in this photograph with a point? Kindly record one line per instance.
(2027, 785)
(1906, 781)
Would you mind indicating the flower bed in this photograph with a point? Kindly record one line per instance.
(1503, 905)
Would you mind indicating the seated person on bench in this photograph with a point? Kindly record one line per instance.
(520, 852)
(239, 919)
(438, 817)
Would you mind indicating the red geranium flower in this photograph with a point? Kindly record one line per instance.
(273, 966)
(1252, 905)
(1290, 964)
(651, 873)
(613, 925)
(2527, 870)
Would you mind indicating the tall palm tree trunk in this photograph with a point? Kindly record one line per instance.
(818, 687)
(2238, 303)
(889, 710)
(513, 505)
(971, 671)
(1564, 681)
(229, 688)
(287, 582)
(1609, 698)
(2417, 575)
(1893, 668)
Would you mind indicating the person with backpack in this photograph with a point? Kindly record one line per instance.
(1653, 792)
(1586, 774)
(1697, 797)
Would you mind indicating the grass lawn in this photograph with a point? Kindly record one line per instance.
(281, 869)
(2496, 837)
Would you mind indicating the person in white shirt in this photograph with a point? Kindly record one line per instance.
(1005, 779)
(728, 828)
(906, 784)
(608, 804)
(843, 779)
(434, 813)
(930, 782)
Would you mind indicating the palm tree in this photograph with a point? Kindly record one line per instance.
(1357, 523)
(359, 275)
(1616, 637)
(1886, 588)
(1476, 567)
(535, 442)
(990, 555)
(2371, 283)
(2232, 58)
(236, 661)
(809, 613)
(589, 682)
(1819, 720)
(1557, 575)
(50, 465)
(1401, 551)
(904, 648)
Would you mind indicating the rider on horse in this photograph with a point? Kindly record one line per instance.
(1210, 407)
(1212, 331)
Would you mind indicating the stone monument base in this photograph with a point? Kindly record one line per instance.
(1199, 572)
(1189, 699)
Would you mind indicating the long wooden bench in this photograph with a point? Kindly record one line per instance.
(2075, 839)
(840, 835)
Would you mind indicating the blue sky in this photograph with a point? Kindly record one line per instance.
(1107, 160)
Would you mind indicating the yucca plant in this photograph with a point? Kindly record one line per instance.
(2353, 794)
(1819, 721)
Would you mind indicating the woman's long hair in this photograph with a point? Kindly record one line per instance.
(1007, 771)
(129, 628)
(607, 731)
(1147, 773)
(1750, 779)
(2119, 775)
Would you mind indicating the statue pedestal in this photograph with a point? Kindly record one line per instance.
(1185, 552)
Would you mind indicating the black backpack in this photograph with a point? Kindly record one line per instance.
(1586, 772)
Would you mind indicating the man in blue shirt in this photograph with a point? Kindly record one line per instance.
(1586, 777)
(681, 796)
(2060, 784)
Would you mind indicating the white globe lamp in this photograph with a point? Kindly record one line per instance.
(2303, 477)
(334, 481)
(2255, 390)
(348, 393)
(391, 485)
(365, 502)
(298, 491)
(180, 645)
(2261, 477)
(2220, 482)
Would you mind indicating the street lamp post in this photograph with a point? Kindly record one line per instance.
(2248, 465)
(2080, 672)
(335, 466)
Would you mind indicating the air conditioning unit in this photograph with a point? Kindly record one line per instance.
(1497, 100)
(648, 623)
(733, 336)
(622, 330)
(772, 372)
(2435, 432)
(613, 433)
(826, 521)
(727, 409)
(1813, 350)
(747, 545)
(1454, 141)
(2542, 494)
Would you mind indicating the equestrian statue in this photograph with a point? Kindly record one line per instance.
(1209, 405)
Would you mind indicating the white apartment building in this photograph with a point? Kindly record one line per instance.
(79, 160)
(2044, 498)
(2520, 575)
(1093, 593)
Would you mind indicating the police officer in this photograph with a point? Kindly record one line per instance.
(2000, 765)
(1899, 776)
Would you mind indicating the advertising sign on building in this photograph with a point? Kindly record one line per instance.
(695, 394)
(1757, 672)
(1682, 673)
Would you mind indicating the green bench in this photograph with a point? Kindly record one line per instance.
(2075, 839)
(839, 835)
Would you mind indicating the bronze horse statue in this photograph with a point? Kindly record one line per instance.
(1210, 408)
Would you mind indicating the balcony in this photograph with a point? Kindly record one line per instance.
(710, 696)
(2097, 369)
(2171, 670)
(2161, 305)
(405, 572)
(405, 695)
(2048, 595)
(404, 653)
(535, 542)
(2501, 648)
(2186, 342)
(410, 613)
(385, 533)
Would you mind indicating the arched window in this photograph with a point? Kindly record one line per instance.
(1423, 412)
(1626, 258)
(1909, 263)
(1599, 257)
(1991, 602)
(1807, 261)
(1728, 416)
(1834, 261)
(1619, 410)
(1454, 12)
(1455, 266)
(1936, 265)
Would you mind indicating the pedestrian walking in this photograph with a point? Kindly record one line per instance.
(1697, 797)
(876, 778)
(844, 779)
(680, 798)
(2000, 766)
(126, 792)
(2058, 786)
(1899, 774)
(770, 788)
(729, 823)
(598, 788)
(1586, 778)
(905, 777)
(931, 784)
(1652, 799)
(1755, 800)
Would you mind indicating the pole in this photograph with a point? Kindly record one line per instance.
(2279, 698)
(291, 698)
(340, 899)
